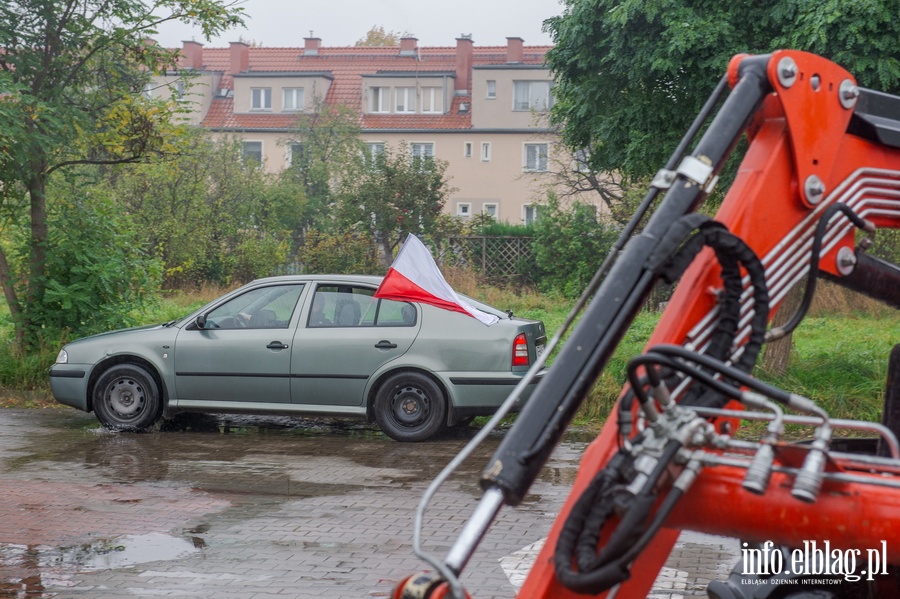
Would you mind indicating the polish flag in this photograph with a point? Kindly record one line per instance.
(414, 277)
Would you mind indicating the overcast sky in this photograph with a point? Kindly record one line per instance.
(342, 22)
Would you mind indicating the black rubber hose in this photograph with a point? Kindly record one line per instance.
(813, 275)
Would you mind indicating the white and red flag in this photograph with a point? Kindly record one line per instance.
(414, 277)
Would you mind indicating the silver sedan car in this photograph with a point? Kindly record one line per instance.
(310, 345)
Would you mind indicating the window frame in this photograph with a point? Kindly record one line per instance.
(295, 94)
(530, 103)
(405, 101)
(293, 152)
(380, 100)
(246, 155)
(485, 151)
(541, 164)
(490, 92)
(421, 144)
(433, 99)
(261, 99)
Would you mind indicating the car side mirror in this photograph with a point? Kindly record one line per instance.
(201, 321)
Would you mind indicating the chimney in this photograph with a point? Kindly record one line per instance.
(408, 46)
(192, 53)
(464, 52)
(311, 46)
(514, 49)
(240, 58)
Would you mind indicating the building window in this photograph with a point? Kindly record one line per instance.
(179, 89)
(432, 99)
(252, 153)
(536, 157)
(529, 214)
(292, 99)
(375, 148)
(491, 90)
(486, 151)
(261, 98)
(295, 154)
(531, 95)
(490, 210)
(379, 99)
(467, 149)
(581, 161)
(464, 209)
(422, 150)
(405, 99)
(148, 90)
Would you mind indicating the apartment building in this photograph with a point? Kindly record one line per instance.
(483, 110)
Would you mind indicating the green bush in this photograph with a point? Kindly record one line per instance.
(98, 276)
(339, 253)
(569, 245)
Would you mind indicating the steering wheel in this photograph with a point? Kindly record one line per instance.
(242, 320)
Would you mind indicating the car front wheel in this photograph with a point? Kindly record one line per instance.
(126, 397)
(410, 406)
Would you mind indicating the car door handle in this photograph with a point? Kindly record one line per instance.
(277, 345)
(385, 344)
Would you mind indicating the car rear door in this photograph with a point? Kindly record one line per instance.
(243, 353)
(345, 335)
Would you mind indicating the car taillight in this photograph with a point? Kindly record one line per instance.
(520, 351)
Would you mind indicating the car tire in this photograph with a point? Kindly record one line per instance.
(410, 406)
(126, 397)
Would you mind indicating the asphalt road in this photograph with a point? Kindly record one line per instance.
(256, 508)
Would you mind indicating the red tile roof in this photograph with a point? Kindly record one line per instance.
(347, 66)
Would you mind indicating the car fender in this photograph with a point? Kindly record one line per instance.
(412, 363)
(154, 364)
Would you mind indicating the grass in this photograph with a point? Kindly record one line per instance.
(839, 355)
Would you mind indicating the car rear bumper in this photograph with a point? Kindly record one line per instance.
(475, 393)
(69, 384)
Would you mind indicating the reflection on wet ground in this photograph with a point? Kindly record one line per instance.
(81, 500)
(243, 506)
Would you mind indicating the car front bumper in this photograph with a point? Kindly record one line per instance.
(69, 384)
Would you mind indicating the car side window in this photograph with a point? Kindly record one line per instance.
(260, 308)
(396, 314)
(353, 306)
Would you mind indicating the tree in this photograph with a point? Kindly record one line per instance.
(210, 215)
(392, 194)
(73, 73)
(377, 36)
(632, 74)
(569, 245)
(325, 143)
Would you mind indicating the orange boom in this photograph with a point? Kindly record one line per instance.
(820, 176)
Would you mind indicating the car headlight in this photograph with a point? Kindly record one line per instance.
(62, 357)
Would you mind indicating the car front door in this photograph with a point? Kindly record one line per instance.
(243, 351)
(345, 335)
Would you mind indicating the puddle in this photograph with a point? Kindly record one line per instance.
(27, 570)
(107, 554)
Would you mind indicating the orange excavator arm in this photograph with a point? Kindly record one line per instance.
(820, 176)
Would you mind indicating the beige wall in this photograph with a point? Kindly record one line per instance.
(442, 83)
(313, 87)
(498, 113)
(197, 90)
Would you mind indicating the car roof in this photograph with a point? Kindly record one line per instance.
(290, 278)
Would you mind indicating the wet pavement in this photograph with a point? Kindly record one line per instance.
(252, 508)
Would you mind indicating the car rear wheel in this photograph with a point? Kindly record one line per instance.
(126, 397)
(410, 406)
